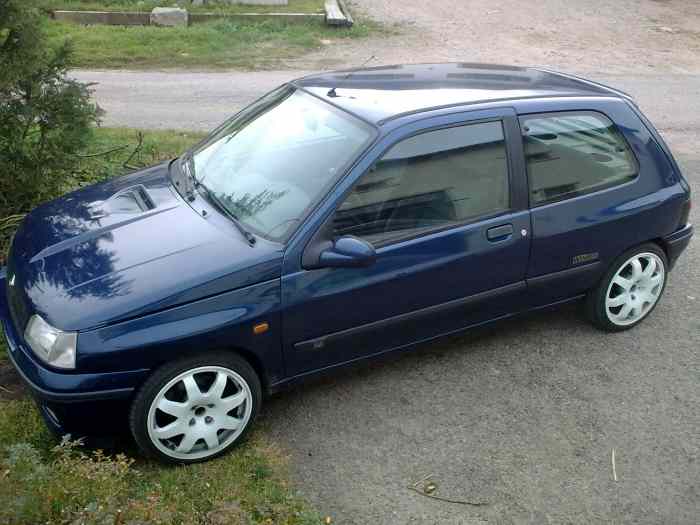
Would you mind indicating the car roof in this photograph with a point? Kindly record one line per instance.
(380, 94)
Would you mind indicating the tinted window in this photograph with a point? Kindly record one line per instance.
(429, 181)
(572, 154)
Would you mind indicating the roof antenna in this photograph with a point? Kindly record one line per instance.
(352, 72)
(331, 93)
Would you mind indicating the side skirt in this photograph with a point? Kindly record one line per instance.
(290, 382)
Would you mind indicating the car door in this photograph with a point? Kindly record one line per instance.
(443, 204)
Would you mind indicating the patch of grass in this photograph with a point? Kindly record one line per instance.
(41, 482)
(155, 146)
(66, 483)
(35, 490)
(20, 422)
(294, 6)
(3, 347)
(217, 44)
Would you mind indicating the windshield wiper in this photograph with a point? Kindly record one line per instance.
(222, 207)
(186, 164)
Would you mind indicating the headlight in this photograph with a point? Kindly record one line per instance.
(50, 344)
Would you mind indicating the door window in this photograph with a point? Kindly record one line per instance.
(427, 182)
(570, 154)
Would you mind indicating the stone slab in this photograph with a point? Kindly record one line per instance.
(169, 17)
(334, 14)
(199, 18)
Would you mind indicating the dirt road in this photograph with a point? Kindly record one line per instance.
(609, 36)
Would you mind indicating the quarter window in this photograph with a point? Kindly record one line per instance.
(573, 154)
(429, 181)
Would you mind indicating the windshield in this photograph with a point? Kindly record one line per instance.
(272, 162)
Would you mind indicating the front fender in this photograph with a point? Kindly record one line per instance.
(223, 321)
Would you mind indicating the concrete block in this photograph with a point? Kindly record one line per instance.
(169, 17)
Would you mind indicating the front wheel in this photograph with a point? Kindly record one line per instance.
(630, 289)
(195, 409)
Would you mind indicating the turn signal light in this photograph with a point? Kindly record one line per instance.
(261, 328)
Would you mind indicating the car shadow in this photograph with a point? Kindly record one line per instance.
(465, 345)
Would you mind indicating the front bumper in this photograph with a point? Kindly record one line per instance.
(64, 396)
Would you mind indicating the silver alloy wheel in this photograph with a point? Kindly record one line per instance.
(635, 289)
(199, 412)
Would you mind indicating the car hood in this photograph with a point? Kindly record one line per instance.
(124, 248)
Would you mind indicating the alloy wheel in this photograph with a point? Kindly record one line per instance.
(199, 412)
(634, 289)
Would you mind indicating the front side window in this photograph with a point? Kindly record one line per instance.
(429, 181)
(570, 154)
(271, 163)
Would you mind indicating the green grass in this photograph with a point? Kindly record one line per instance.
(20, 423)
(155, 147)
(218, 44)
(41, 482)
(3, 348)
(294, 6)
(44, 481)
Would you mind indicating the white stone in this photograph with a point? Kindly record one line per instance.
(169, 17)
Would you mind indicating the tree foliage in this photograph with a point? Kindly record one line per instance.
(45, 117)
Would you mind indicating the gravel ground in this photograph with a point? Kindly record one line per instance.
(521, 416)
(626, 36)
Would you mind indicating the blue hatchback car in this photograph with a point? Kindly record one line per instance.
(340, 217)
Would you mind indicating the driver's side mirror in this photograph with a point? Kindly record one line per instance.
(347, 252)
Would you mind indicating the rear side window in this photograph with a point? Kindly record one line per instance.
(430, 181)
(571, 154)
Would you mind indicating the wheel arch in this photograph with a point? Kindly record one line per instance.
(605, 267)
(248, 356)
(658, 241)
(661, 243)
(255, 362)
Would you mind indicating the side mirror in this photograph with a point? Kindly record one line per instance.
(347, 252)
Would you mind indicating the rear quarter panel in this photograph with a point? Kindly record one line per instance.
(609, 221)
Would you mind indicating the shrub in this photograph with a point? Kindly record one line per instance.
(74, 487)
(45, 117)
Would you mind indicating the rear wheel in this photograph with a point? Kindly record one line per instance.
(630, 289)
(195, 409)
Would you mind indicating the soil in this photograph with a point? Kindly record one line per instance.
(606, 36)
(11, 386)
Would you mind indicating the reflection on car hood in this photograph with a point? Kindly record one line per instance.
(124, 248)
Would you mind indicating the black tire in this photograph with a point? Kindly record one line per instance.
(141, 405)
(595, 300)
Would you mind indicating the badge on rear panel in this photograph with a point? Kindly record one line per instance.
(584, 258)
